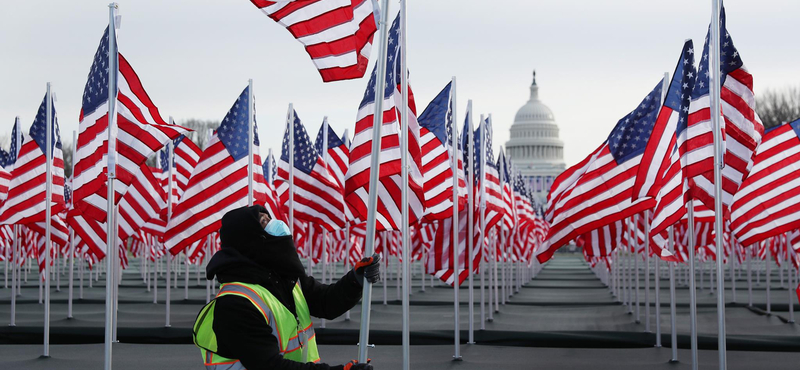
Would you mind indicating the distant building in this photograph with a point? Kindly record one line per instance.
(534, 146)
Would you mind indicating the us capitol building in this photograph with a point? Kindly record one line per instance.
(534, 146)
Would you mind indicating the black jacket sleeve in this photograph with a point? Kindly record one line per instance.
(331, 301)
(242, 333)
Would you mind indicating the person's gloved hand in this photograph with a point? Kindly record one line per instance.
(369, 268)
(355, 365)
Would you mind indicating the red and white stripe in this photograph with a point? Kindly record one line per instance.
(768, 202)
(25, 202)
(141, 131)
(337, 34)
(218, 185)
(143, 201)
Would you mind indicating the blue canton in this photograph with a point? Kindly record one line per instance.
(438, 116)
(680, 89)
(729, 59)
(333, 140)
(392, 76)
(4, 157)
(233, 129)
(630, 135)
(15, 145)
(305, 156)
(95, 93)
(39, 128)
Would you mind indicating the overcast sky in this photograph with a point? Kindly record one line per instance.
(595, 60)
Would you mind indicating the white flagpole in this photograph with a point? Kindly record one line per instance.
(406, 263)
(768, 277)
(719, 163)
(250, 134)
(692, 285)
(657, 276)
(324, 231)
(634, 229)
(186, 276)
(482, 214)
(455, 234)
(471, 220)
(290, 127)
(372, 205)
(72, 234)
(170, 149)
(647, 271)
(792, 273)
(14, 276)
(673, 333)
(111, 169)
(749, 255)
(48, 214)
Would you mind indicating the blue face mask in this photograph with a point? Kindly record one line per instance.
(277, 228)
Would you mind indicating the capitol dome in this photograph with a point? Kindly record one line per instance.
(534, 145)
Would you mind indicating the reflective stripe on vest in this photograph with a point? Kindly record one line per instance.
(282, 322)
(253, 297)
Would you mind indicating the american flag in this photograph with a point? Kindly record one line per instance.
(390, 184)
(140, 132)
(219, 182)
(143, 201)
(509, 208)
(185, 155)
(602, 190)
(5, 181)
(675, 109)
(26, 202)
(317, 194)
(439, 261)
(338, 153)
(91, 233)
(272, 204)
(601, 242)
(742, 129)
(488, 175)
(436, 138)
(337, 34)
(768, 202)
(4, 158)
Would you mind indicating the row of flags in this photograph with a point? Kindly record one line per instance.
(327, 182)
(659, 161)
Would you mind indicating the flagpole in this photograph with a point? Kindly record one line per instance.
(48, 215)
(692, 284)
(647, 271)
(657, 276)
(482, 210)
(372, 205)
(455, 235)
(673, 333)
(250, 120)
(111, 169)
(72, 235)
(170, 150)
(14, 276)
(792, 273)
(634, 229)
(471, 220)
(290, 128)
(324, 231)
(404, 188)
(719, 163)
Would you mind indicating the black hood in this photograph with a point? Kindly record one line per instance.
(246, 247)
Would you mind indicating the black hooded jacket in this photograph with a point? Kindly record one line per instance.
(250, 255)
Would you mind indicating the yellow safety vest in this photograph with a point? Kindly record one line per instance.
(296, 338)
